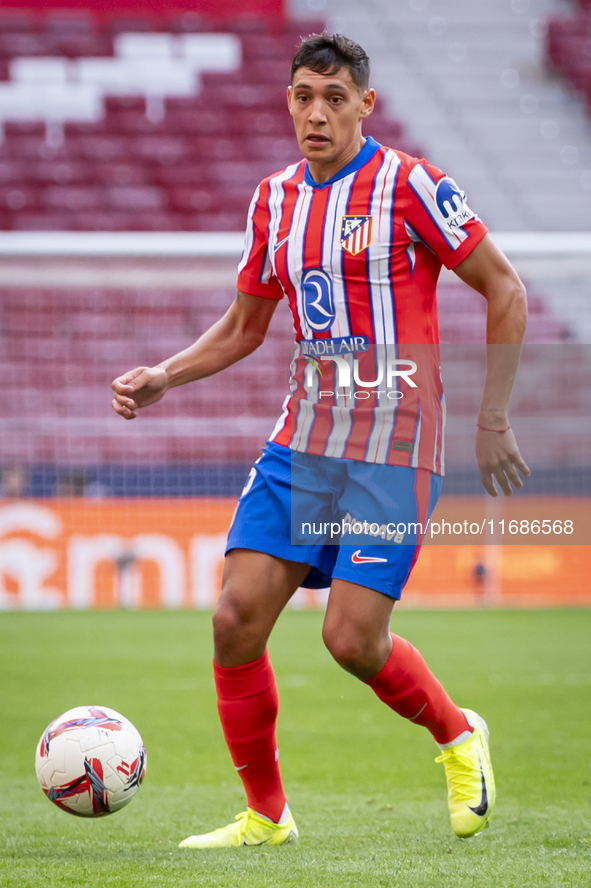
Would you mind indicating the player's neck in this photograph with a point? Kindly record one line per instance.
(321, 172)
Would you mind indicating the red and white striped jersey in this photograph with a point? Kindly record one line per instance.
(358, 257)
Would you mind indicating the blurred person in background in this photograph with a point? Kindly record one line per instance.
(71, 482)
(14, 481)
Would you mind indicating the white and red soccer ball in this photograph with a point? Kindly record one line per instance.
(90, 761)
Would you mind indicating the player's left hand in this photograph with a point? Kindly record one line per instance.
(499, 458)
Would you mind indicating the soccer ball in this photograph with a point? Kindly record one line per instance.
(90, 761)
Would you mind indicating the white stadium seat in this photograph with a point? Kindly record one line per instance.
(138, 46)
(138, 76)
(156, 66)
(211, 52)
(50, 102)
(39, 70)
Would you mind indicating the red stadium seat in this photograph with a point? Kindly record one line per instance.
(246, 96)
(133, 197)
(58, 173)
(61, 348)
(101, 148)
(227, 175)
(223, 221)
(203, 200)
(17, 128)
(41, 221)
(279, 151)
(114, 104)
(81, 45)
(20, 20)
(28, 43)
(160, 149)
(568, 47)
(86, 172)
(269, 47)
(189, 174)
(263, 122)
(12, 172)
(16, 199)
(65, 197)
(118, 24)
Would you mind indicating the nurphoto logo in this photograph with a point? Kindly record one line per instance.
(388, 372)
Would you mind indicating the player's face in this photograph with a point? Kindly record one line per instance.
(327, 111)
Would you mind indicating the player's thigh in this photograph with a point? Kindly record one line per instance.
(255, 589)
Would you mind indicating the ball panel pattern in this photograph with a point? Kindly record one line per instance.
(90, 761)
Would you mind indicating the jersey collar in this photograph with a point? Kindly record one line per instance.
(365, 155)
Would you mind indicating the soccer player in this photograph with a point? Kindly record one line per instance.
(354, 236)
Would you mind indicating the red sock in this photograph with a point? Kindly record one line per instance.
(248, 703)
(408, 687)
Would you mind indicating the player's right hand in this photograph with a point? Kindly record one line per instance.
(138, 388)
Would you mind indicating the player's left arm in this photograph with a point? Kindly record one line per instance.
(489, 272)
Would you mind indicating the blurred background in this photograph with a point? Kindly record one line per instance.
(131, 141)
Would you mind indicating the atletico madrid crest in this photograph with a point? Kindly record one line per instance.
(356, 233)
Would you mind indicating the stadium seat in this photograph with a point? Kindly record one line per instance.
(214, 135)
(568, 49)
(153, 131)
(192, 166)
(15, 20)
(61, 348)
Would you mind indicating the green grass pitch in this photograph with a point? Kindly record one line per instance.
(368, 799)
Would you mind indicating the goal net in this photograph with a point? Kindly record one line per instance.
(99, 512)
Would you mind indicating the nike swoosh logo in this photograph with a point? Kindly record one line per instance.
(481, 808)
(356, 558)
(280, 244)
(242, 767)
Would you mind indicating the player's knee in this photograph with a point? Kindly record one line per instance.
(225, 625)
(236, 623)
(230, 623)
(347, 647)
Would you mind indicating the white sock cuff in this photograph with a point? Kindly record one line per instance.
(285, 815)
(283, 819)
(465, 735)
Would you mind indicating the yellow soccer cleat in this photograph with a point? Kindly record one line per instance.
(471, 789)
(249, 829)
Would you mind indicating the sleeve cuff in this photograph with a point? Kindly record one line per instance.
(452, 260)
(271, 290)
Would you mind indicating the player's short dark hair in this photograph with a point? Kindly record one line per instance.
(328, 53)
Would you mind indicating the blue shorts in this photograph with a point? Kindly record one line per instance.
(348, 520)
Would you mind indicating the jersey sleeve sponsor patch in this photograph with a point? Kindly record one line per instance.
(451, 203)
(439, 215)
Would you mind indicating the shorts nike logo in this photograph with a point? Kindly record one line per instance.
(242, 767)
(280, 244)
(481, 809)
(356, 558)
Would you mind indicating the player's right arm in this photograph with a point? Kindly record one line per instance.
(237, 334)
